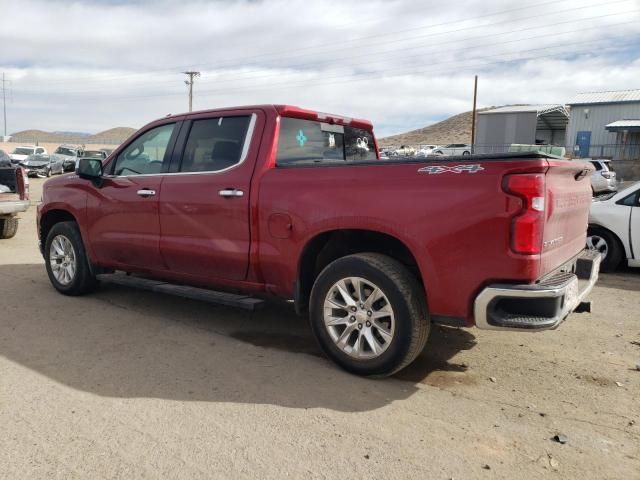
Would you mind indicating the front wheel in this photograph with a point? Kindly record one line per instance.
(466, 152)
(369, 314)
(66, 260)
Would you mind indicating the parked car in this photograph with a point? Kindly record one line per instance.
(101, 154)
(453, 149)
(68, 155)
(5, 159)
(614, 227)
(426, 150)
(404, 151)
(14, 199)
(603, 179)
(278, 201)
(42, 165)
(21, 153)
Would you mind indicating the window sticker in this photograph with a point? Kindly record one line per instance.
(301, 138)
(332, 140)
(362, 144)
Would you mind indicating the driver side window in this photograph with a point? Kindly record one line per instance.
(146, 154)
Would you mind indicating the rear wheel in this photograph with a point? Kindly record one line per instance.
(66, 260)
(609, 247)
(369, 314)
(8, 227)
(466, 152)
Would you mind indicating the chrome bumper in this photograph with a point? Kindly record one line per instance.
(538, 306)
(13, 206)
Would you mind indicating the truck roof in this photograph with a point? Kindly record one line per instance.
(291, 111)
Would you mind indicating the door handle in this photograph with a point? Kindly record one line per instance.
(145, 192)
(231, 192)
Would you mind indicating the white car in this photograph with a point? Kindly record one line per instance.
(404, 151)
(426, 150)
(603, 179)
(453, 149)
(614, 227)
(20, 154)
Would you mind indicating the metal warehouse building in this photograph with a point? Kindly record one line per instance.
(501, 127)
(607, 125)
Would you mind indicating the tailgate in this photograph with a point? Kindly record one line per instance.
(568, 201)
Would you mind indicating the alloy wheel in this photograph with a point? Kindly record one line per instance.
(359, 318)
(62, 258)
(596, 242)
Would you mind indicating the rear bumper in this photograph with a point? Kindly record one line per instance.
(14, 206)
(538, 306)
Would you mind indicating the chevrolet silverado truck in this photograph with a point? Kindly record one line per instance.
(279, 201)
(14, 199)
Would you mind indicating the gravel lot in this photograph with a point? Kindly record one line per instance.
(129, 384)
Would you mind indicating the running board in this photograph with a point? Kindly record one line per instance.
(194, 293)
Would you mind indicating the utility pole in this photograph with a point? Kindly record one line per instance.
(473, 118)
(189, 82)
(4, 104)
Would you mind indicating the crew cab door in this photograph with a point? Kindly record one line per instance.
(122, 213)
(204, 204)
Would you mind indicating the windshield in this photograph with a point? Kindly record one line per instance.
(23, 151)
(66, 151)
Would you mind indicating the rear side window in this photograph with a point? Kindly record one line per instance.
(215, 144)
(598, 165)
(306, 142)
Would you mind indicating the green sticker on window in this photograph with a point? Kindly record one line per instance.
(301, 138)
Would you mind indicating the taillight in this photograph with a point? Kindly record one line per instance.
(606, 175)
(527, 226)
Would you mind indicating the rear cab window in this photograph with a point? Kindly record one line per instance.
(309, 142)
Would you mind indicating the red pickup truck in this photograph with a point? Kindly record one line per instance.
(285, 202)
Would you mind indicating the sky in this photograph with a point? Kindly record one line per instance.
(91, 65)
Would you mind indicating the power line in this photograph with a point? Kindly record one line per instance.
(295, 82)
(430, 70)
(343, 42)
(381, 55)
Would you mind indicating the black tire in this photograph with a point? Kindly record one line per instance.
(615, 250)
(48, 174)
(465, 153)
(412, 323)
(84, 280)
(8, 227)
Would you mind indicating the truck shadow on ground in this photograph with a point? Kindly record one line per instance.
(123, 343)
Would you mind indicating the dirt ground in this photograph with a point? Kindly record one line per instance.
(129, 384)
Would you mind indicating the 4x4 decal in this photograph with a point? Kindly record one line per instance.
(434, 169)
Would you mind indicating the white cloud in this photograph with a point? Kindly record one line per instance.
(403, 64)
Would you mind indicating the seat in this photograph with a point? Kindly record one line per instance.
(225, 154)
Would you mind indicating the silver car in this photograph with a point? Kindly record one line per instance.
(604, 178)
(42, 165)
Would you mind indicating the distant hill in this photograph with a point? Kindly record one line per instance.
(456, 129)
(111, 136)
